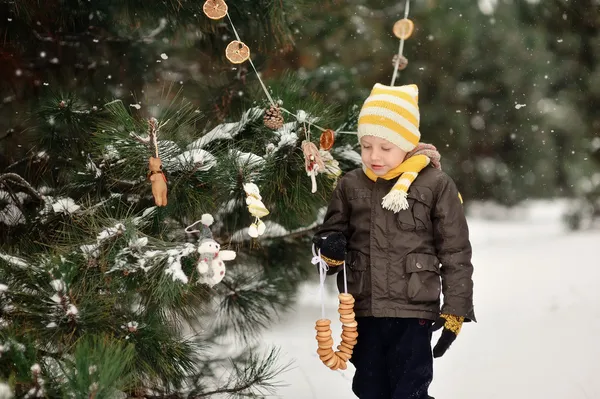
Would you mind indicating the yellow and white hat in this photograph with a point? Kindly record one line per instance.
(392, 113)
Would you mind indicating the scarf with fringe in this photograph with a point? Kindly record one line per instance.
(408, 170)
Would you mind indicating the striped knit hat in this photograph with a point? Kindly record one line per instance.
(392, 113)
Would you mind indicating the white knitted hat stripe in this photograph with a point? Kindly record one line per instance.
(408, 89)
(395, 100)
(399, 119)
(392, 136)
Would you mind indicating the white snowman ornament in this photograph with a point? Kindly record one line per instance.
(256, 209)
(211, 266)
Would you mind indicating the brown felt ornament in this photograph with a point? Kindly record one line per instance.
(159, 181)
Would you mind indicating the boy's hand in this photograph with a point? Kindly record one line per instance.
(333, 248)
(452, 325)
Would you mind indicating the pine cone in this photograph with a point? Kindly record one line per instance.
(403, 62)
(273, 118)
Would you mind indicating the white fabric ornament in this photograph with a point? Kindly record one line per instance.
(256, 209)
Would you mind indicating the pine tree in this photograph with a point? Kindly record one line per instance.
(572, 32)
(102, 292)
(485, 76)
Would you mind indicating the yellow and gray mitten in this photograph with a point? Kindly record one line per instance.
(452, 325)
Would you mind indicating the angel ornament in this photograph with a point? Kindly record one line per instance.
(256, 209)
(313, 162)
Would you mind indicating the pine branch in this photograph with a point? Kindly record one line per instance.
(256, 376)
(16, 179)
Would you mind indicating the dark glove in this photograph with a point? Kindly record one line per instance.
(333, 248)
(452, 325)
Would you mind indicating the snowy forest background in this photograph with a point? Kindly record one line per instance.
(92, 272)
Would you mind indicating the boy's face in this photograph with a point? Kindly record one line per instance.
(380, 155)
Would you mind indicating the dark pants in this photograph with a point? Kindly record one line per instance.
(393, 358)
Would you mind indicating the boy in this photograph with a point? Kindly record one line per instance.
(399, 217)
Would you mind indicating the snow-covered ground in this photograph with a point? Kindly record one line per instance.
(538, 306)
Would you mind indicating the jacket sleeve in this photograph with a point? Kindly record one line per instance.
(336, 218)
(454, 250)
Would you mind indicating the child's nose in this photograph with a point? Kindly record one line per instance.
(375, 155)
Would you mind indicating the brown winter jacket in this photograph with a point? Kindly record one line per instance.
(393, 260)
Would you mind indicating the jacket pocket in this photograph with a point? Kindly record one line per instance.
(424, 284)
(417, 216)
(358, 275)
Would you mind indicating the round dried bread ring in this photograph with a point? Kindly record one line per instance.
(348, 338)
(347, 345)
(327, 356)
(323, 339)
(324, 351)
(326, 344)
(237, 52)
(323, 322)
(345, 349)
(344, 356)
(215, 9)
(403, 28)
(346, 298)
(342, 365)
(338, 362)
(331, 362)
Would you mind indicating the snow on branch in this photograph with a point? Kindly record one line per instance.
(227, 131)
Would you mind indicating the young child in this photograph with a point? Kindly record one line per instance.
(399, 217)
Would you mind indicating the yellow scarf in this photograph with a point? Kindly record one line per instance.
(408, 171)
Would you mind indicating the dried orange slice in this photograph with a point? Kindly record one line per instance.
(403, 28)
(237, 52)
(327, 139)
(215, 9)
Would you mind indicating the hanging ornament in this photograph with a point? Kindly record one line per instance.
(215, 9)
(403, 28)
(327, 139)
(159, 181)
(237, 52)
(312, 162)
(211, 258)
(334, 247)
(332, 166)
(273, 119)
(402, 63)
(337, 359)
(156, 175)
(256, 209)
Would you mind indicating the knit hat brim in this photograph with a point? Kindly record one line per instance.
(378, 130)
